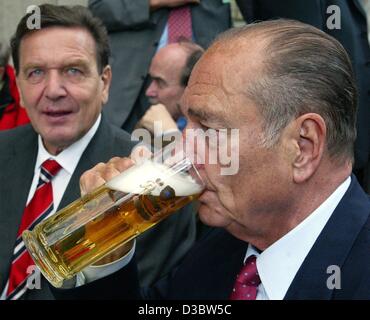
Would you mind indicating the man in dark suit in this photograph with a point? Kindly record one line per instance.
(352, 34)
(137, 29)
(64, 77)
(293, 222)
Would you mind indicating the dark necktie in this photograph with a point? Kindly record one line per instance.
(247, 281)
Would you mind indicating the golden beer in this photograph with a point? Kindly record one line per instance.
(98, 223)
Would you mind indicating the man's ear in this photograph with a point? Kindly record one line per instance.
(106, 78)
(311, 141)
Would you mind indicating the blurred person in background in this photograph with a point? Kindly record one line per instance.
(169, 74)
(137, 30)
(11, 112)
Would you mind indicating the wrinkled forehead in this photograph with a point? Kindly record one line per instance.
(57, 43)
(230, 65)
(220, 73)
(220, 79)
(205, 84)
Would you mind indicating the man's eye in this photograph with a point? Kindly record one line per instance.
(36, 73)
(73, 71)
(161, 84)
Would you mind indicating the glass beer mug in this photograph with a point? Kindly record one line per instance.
(113, 214)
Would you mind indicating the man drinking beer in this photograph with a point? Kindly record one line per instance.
(292, 223)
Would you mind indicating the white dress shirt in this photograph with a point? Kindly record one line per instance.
(279, 263)
(68, 159)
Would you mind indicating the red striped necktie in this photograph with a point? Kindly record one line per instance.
(247, 281)
(38, 209)
(179, 24)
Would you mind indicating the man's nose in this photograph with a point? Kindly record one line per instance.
(151, 92)
(54, 85)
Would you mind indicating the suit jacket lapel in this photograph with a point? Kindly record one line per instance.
(15, 180)
(332, 247)
(225, 273)
(214, 266)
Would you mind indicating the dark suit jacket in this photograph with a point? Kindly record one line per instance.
(134, 34)
(210, 268)
(352, 35)
(18, 152)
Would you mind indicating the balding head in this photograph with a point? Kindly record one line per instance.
(289, 68)
(170, 70)
(170, 55)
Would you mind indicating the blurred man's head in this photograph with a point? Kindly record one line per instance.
(289, 89)
(170, 71)
(62, 73)
(4, 58)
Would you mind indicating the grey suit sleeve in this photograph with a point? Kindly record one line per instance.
(121, 14)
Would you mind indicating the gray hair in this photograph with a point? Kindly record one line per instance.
(303, 70)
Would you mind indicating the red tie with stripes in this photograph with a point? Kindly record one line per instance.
(37, 209)
(179, 24)
(247, 281)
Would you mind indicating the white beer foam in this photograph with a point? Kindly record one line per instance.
(134, 180)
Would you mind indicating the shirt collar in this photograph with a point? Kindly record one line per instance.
(69, 157)
(279, 263)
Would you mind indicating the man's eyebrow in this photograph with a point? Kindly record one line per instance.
(157, 78)
(69, 63)
(204, 116)
(74, 62)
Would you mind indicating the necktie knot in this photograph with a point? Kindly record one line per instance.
(249, 273)
(247, 281)
(51, 167)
